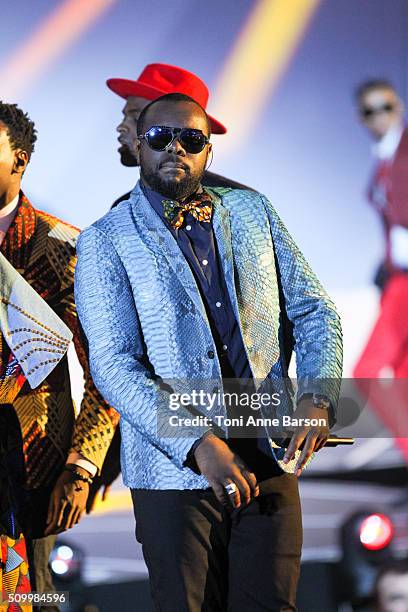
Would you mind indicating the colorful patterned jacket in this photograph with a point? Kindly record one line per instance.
(33, 340)
(146, 323)
(42, 249)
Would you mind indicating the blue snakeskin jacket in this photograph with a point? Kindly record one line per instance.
(144, 319)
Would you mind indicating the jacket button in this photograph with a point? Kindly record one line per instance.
(211, 354)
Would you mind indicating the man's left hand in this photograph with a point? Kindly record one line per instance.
(67, 503)
(313, 438)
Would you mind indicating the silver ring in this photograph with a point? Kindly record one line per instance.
(231, 488)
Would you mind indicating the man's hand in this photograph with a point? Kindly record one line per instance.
(67, 503)
(221, 466)
(314, 438)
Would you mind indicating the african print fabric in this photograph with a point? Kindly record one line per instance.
(42, 249)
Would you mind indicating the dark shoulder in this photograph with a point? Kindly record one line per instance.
(210, 179)
(122, 198)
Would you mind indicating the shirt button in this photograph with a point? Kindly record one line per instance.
(224, 346)
(205, 262)
(211, 354)
(218, 304)
(188, 227)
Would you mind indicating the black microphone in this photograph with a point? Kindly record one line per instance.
(331, 441)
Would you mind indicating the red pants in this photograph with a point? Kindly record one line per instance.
(387, 348)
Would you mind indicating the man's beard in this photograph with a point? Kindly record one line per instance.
(174, 190)
(127, 158)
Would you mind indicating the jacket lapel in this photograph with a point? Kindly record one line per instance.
(17, 243)
(158, 238)
(222, 232)
(251, 280)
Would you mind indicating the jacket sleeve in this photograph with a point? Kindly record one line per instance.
(316, 323)
(96, 422)
(117, 355)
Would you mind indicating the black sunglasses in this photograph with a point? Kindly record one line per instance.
(160, 137)
(368, 111)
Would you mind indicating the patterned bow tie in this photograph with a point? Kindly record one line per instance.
(199, 207)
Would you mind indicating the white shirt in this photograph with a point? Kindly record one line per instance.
(7, 215)
(386, 147)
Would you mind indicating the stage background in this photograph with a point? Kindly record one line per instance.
(281, 75)
(305, 150)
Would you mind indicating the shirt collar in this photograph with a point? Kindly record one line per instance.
(386, 147)
(17, 242)
(155, 199)
(10, 207)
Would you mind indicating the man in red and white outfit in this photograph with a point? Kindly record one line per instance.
(386, 353)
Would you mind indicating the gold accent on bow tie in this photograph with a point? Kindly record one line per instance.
(200, 207)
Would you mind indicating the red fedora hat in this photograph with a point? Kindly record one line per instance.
(159, 79)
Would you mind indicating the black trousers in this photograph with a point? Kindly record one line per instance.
(203, 558)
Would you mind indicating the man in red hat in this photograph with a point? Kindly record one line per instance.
(155, 81)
